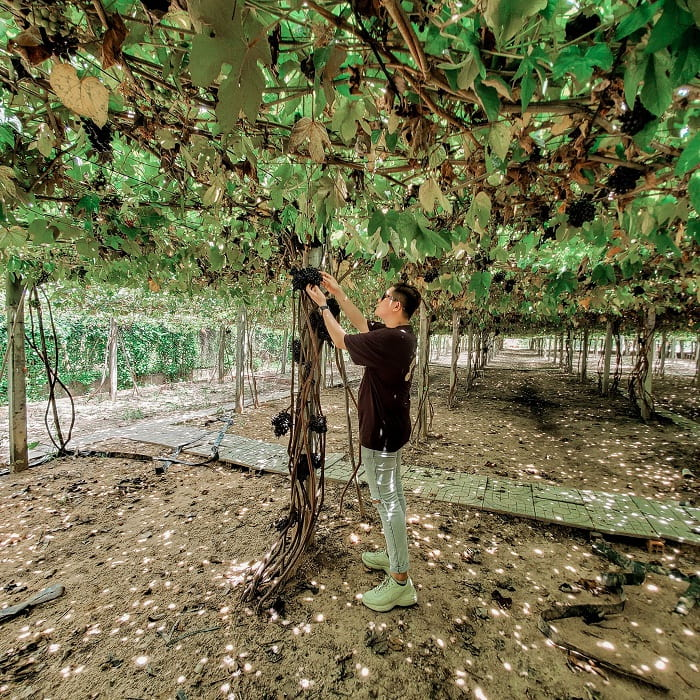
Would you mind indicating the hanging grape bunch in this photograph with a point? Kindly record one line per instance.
(623, 179)
(580, 211)
(100, 137)
(318, 325)
(305, 276)
(318, 424)
(303, 465)
(431, 275)
(282, 423)
(296, 350)
(634, 120)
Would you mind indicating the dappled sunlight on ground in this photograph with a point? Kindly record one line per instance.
(153, 565)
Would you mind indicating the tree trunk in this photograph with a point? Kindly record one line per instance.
(112, 358)
(421, 428)
(285, 352)
(641, 377)
(569, 352)
(240, 358)
(584, 355)
(16, 375)
(662, 354)
(221, 355)
(697, 360)
(454, 358)
(470, 359)
(605, 389)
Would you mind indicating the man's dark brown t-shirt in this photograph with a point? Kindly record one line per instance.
(384, 401)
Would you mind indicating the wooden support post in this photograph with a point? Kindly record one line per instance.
(454, 358)
(605, 388)
(221, 355)
(16, 374)
(584, 355)
(112, 358)
(240, 358)
(423, 368)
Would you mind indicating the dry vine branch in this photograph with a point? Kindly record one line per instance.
(307, 453)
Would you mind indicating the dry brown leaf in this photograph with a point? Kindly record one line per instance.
(29, 45)
(318, 140)
(87, 97)
(113, 40)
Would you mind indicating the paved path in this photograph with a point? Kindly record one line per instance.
(610, 513)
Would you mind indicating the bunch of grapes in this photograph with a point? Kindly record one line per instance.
(580, 211)
(623, 179)
(318, 424)
(307, 275)
(499, 277)
(282, 423)
(634, 120)
(431, 275)
(303, 465)
(509, 286)
(296, 350)
(63, 46)
(317, 324)
(100, 137)
(581, 25)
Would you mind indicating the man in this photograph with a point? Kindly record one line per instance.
(387, 351)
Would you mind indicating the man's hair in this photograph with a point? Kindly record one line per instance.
(409, 297)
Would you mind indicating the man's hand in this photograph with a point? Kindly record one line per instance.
(316, 294)
(331, 284)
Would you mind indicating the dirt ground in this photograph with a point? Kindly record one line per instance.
(152, 565)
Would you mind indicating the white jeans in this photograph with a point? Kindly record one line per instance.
(383, 471)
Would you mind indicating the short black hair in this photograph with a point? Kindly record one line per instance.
(408, 296)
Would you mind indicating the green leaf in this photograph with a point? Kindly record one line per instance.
(12, 237)
(216, 257)
(657, 91)
(479, 212)
(634, 74)
(41, 231)
(480, 283)
(694, 229)
(573, 60)
(507, 17)
(673, 23)
(500, 139)
(603, 274)
(637, 19)
(694, 191)
(230, 103)
(489, 99)
(690, 157)
(89, 204)
(687, 59)
(252, 84)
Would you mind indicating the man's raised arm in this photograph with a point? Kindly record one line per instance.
(353, 314)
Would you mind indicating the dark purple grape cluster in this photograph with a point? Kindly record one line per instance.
(499, 277)
(623, 179)
(296, 350)
(580, 211)
(318, 424)
(318, 325)
(509, 286)
(100, 137)
(543, 213)
(581, 25)
(303, 465)
(282, 423)
(305, 276)
(431, 275)
(63, 46)
(634, 120)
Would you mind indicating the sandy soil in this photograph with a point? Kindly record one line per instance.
(152, 564)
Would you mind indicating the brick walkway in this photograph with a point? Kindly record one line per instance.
(610, 513)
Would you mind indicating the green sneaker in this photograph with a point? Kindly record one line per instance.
(388, 594)
(376, 560)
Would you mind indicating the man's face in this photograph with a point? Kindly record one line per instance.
(386, 304)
